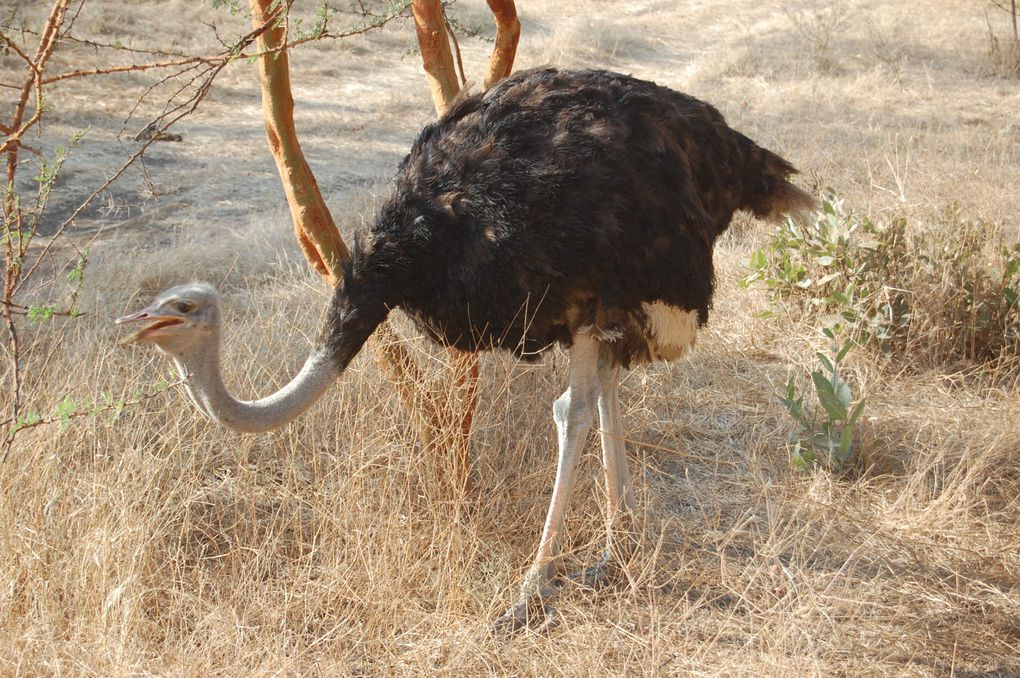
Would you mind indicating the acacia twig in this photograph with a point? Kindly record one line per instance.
(12, 426)
(33, 83)
(232, 54)
(12, 215)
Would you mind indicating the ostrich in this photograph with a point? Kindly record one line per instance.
(577, 208)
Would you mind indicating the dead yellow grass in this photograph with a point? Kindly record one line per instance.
(154, 543)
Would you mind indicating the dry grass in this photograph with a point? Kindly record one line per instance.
(155, 543)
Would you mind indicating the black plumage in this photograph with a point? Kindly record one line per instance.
(554, 202)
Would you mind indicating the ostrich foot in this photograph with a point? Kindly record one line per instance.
(604, 573)
(533, 611)
(609, 569)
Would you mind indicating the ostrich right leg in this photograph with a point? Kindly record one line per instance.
(619, 491)
(573, 412)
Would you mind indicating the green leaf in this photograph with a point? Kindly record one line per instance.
(795, 405)
(833, 405)
(796, 410)
(844, 350)
(855, 414)
(825, 361)
(1012, 267)
(846, 441)
(76, 273)
(38, 314)
(800, 456)
(27, 419)
(842, 391)
(65, 410)
(758, 261)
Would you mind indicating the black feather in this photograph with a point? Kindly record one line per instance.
(555, 201)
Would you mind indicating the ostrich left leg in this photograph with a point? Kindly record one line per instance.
(573, 413)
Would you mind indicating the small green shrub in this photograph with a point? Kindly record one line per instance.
(825, 434)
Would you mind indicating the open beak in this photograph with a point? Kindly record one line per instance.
(155, 322)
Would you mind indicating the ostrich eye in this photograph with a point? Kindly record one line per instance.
(184, 306)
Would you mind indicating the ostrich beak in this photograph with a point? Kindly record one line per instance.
(156, 321)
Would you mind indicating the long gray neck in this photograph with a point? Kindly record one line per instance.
(205, 386)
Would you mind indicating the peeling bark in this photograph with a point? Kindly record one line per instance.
(436, 57)
(313, 224)
(314, 227)
(508, 33)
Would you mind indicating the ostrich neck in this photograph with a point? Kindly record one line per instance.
(205, 386)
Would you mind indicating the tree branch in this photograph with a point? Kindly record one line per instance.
(313, 224)
(508, 33)
(430, 26)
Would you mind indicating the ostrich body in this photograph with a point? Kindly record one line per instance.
(578, 208)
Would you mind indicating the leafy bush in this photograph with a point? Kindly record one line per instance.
(936, 295)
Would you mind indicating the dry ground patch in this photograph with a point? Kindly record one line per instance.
(155, 543)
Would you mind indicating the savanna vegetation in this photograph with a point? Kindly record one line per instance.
(828, 486)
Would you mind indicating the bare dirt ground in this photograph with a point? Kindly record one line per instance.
(157, 544)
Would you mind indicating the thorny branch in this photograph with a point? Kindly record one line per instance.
(21, 309)
(33, 83)
(456, 54)
(115, 406)
(236, 52)
(14, 253)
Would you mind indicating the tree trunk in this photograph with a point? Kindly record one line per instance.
(457, 408)
(430, 25)
(442, 414)
(456, 399)
(313, 224)
(508, 33)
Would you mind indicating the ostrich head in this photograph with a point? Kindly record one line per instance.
(182, 320)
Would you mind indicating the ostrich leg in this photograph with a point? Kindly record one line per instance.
(573, 413)
(619, 492)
